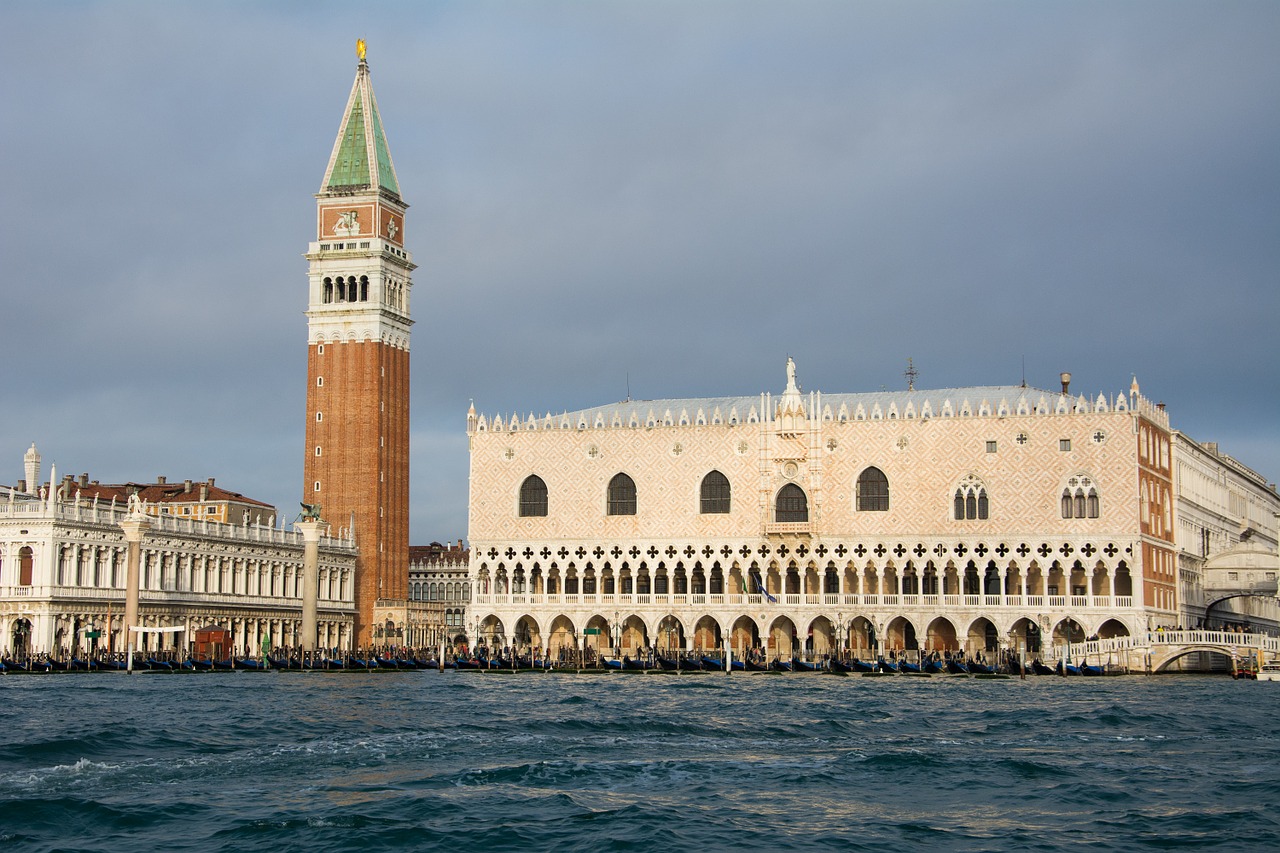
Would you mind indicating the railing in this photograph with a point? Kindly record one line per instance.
(1165, 639)
(103, 595)
(827, 600)
(112, 514)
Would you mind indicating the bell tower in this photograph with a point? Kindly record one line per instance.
(357, 446)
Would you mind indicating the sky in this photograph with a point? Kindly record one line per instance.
(657, 199)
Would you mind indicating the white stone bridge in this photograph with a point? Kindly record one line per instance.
(1155, 650)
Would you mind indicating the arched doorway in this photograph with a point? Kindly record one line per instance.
(982, 638)
(526, 634)
(635, 635)
(706, 634)
(745, 637)
(940, 636)
(782, 638)
(900, 635)
(1025, 636)
(821, 640)
(670, 635)
(562, 638)
(862, 637)
(1111, 629)
(21, 636)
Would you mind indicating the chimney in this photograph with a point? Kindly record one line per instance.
(84, 481)
(160, 481)
(186, 486)
(22, 487)
(210, 481)
(204, 491)
(1066, 383)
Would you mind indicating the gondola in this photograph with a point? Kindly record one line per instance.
(909, 668)
(710, 664)
(955, 667)
(980, 668)
(1039, 668)
(778, 665)
(798, 665)
(159, 665)
(667, 664)
(250, 664)
(886, 666)
(755, 666)
(934, 667)
(1072, 669)
(1090, 669)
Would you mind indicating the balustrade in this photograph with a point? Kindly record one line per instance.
(827, 600)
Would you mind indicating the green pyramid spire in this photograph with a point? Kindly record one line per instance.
(361, 159)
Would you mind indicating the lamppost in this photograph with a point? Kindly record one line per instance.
(617, 635)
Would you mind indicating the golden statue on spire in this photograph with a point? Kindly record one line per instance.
(360, 49)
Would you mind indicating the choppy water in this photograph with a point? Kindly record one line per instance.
(469, 761)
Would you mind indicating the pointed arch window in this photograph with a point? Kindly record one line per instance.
(791, 505)
(873, 491)
(1080, 498)
(622, 495)
(533, 497)
(715, 493)
(970, 502)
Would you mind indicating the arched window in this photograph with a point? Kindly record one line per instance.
(715, 493)
(533, 497)
(328, 290)
(364, 288)
(971, 500)
(873, 491)
(622, 495)
(1080, 498)
(791, 504)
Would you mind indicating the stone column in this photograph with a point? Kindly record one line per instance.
(135, 527)
(310, 531)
